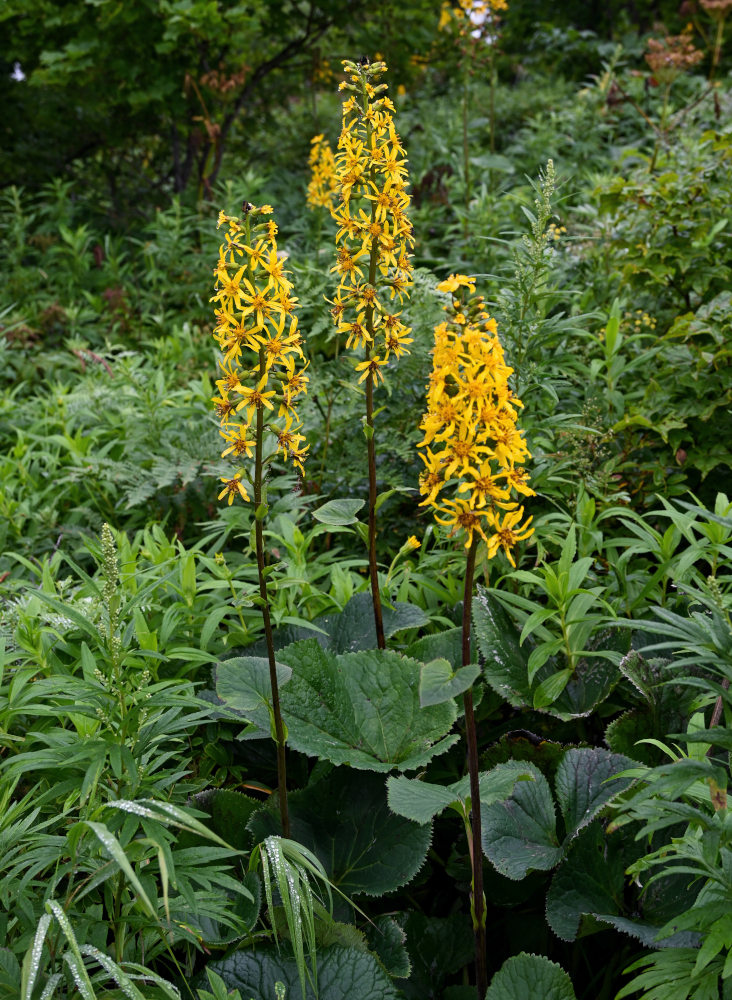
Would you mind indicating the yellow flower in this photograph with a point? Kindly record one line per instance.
(233, 487)
(471, 443)
(507, 534)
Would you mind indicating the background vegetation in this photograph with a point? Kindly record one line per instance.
(588, 189)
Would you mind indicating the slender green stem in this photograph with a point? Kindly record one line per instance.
(492, 105)
(719, 38)
(474, 839)
(259, 514)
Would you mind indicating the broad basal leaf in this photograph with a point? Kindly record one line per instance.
(351, 629)
(345, 821)
(552, 689)
(438, 948)
(359, 708)
(519, 835)
(506, 662)
(342, 972)
(388, 941)
(422, 800)
(585, 784)
(590, 881)
(530, 977)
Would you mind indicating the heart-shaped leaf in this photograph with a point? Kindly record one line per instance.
(345, 821)
(439, 683)
(519, 835)
(530, 976)
(359, 708)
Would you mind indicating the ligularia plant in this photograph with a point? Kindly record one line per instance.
(374, 239)
(262, 375)
(473, 455)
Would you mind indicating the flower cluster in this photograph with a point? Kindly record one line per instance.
(374, 234)
(471, 444)
(256, 329)
(671, 56)
(323, 183)
(472, 14)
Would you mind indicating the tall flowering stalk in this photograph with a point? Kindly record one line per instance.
(323, 184)
(473, 454)
(262, 375)
(373, 266)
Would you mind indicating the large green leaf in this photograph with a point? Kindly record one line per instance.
(342, 972)
(506, 661)
(519, 835)
(345, 821)
(351, 629)
(590, 881)
(230, 812)
(594, 676)
(422, 800)
(530, 977)
(359, 708)
(507, 665)
(438, 948)
(585, 784)
(388, 941)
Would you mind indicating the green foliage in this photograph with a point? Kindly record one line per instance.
(139, 830)
(422, 801)
(359, 708)
(341, 972)
(344, 820)
(530, 975)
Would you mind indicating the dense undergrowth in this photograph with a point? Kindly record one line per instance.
(140, 837)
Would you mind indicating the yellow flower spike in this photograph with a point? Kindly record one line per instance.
(471, 443)
(374, 236)
(256, 330)
(323, 185)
